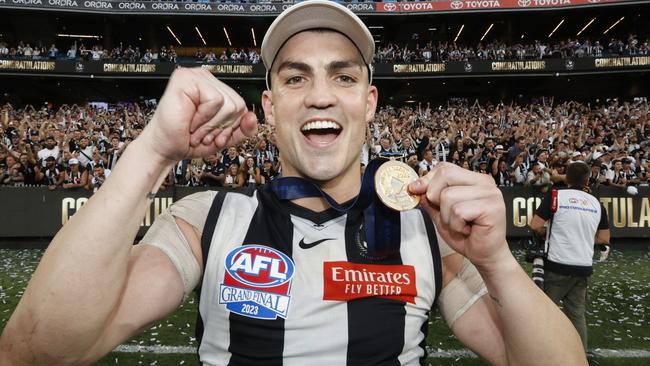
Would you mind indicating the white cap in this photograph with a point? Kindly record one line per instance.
(597, 155)
(313, 14)
(73, 161)
(576, 153)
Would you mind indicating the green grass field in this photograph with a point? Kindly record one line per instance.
(618, 304)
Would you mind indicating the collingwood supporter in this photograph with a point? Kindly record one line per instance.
(99, 177)
(84, 151)
(596, 177)
(232, 156)
(264, 151)
(502, 177)
(231, 178)
(213, 172)
(51, 149)
(629, 173)
(572, 231)
(249, 175)
(268, 172)
(53, 173)
(538, 178)
(615, 176)
(428, 163)
(75, 176)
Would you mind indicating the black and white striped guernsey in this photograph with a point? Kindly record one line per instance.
(283, 285)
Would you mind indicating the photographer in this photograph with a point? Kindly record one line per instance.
(575, 220)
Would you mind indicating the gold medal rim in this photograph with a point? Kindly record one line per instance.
(380, 192)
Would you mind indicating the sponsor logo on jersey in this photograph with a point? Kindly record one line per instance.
(257, 281)
(346, 281)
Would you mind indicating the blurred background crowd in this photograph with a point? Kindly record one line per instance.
(413, 51)
(75, 147)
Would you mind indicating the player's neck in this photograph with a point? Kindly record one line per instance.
(342, 188)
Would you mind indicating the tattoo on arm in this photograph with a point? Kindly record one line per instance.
(496, 300)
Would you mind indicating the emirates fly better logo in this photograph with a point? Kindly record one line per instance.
(346, 281)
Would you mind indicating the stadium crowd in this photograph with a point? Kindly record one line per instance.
(450, 51)
(75, 147)
(390, 52)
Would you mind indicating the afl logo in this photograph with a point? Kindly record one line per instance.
(390, 7)
(257, 282)
(456, 4)
(524, 3)
(259, 266)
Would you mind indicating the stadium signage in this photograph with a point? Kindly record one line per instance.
(27, 65)
(43, 212)
(418, 68)
(82, 68)
(618, 62)
(182, 7)
(471, 5)
(229, 69)
(130, 68)
(623, 212)
(518, 65)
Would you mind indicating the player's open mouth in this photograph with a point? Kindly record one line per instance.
(321, 132)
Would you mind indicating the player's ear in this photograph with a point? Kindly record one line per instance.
(267, 105)
(371, 103)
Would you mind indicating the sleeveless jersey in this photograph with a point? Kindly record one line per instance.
(283, 285)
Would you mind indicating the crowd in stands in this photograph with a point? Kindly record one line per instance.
(449, 51)
(391, 52)
(75, 147)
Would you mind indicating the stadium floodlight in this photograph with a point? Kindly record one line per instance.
(225, 31)
(487, 31)
(200, 35)
(586, 26)
(614, 25)
(556, 28)
(77, 36)
(174, 35)
(254, 39)
(459, 32)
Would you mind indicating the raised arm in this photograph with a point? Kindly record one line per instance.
(93, 289)
(469, 214)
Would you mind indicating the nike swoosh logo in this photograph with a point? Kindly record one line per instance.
(304, 245)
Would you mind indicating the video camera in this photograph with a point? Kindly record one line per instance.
(535, 254)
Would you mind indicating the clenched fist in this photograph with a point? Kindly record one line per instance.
(197, 116)
(468, 211)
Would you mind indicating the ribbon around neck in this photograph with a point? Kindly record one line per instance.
(381, 225)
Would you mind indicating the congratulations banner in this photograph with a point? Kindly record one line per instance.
(37, 212)
(381, 70)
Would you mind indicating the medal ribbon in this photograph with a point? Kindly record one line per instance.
(381, 224)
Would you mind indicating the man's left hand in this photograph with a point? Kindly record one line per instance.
(468, 210)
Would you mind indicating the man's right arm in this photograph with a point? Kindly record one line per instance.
(92, 288)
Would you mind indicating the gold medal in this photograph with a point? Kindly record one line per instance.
(391, 184)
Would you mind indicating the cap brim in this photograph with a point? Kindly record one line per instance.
(316, 14)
